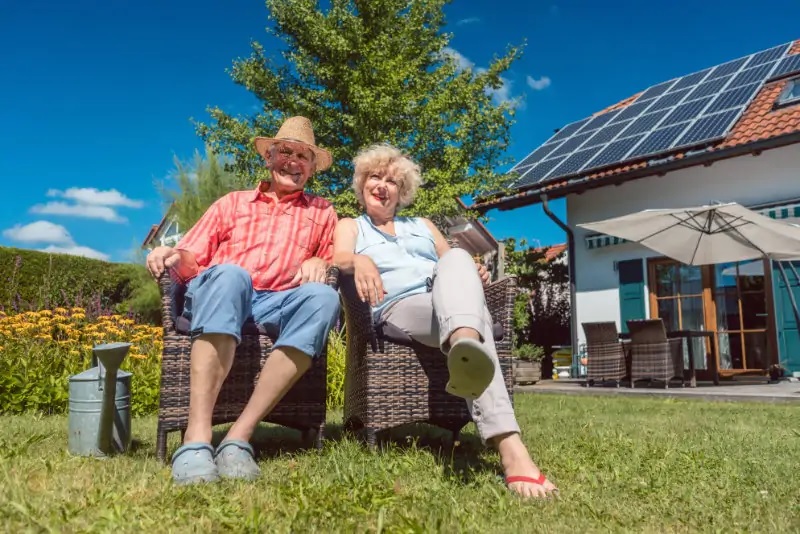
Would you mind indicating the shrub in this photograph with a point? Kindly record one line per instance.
(528, 352)
(33, 280)
(337, 352)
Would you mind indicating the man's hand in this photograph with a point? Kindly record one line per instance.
(162, 258)
(311, 270)
(368, 280)
(483, 273)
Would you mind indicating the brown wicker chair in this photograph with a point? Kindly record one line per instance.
(653, 355)
(390, 381)
(605, 354)
(302, 408)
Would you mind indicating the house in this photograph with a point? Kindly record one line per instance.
(730, 132)
(165, 233)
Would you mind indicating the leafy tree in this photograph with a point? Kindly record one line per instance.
(367, 71)
(541, 310)
(197, 186)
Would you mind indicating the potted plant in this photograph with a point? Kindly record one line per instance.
(527, 361)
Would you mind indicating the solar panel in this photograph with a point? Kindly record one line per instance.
(709, 88)
(537, 155)
(692, 110)
(576, 161)
(614, 152)
(788, 65)
(538, 172)
(741, 96)
(686, 111)
(754, 75)
(768, 55)
(668, 101)
(690, 80)
(709, 128)
(645, 123)
(659, 140)
(568, 130)
(727, 68)
(656, 90)
(606, 134)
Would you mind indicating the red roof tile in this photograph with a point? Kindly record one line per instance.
(760, 121)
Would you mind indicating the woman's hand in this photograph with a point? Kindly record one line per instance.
(368, 280)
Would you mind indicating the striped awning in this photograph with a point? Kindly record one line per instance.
(786, 211)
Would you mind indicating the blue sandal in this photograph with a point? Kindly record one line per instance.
(236, 459)
(193, 463)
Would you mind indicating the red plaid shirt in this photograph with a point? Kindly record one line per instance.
(269, 239)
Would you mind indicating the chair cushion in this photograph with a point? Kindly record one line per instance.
(391, 333)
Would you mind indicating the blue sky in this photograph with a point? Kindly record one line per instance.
(96, 96)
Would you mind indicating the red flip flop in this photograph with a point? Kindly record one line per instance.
(539, 481)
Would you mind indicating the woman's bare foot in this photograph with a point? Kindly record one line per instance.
(517, 463)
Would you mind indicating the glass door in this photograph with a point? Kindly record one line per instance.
(678, 298)
(742, 318)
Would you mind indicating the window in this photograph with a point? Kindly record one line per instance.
(791, 94)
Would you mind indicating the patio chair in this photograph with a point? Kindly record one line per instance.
(390, 380)
(653, 355)
(605, 354)
(302, 408)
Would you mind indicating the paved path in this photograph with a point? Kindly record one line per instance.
(752, 391)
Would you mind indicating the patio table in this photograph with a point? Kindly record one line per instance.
(689, 335)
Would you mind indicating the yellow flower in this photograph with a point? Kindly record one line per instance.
(78, 309)
(60, 310)
(78, 316)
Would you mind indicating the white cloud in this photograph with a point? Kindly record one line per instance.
(76, 250)
(462, 61)
(85, 211)
(537, 85)
(502, 95)
(96, 197)
(39, 232)
(468, 20)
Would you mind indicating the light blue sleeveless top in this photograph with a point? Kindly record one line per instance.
(405, 261)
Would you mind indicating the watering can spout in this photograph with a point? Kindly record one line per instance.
(110, 357)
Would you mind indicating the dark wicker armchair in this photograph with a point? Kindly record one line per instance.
(653, 355)
(605, 354)
(391, 381)
(302, 408)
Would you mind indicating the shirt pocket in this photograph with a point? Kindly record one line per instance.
(419, 243)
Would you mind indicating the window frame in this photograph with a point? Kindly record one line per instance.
(785, 98)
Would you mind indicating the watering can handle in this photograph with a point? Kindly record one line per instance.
(100, 374)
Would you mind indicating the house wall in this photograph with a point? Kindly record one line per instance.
(750, 180)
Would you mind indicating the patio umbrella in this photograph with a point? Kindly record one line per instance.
(703, 235)
(719, 233)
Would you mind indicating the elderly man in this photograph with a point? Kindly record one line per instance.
(263, 254)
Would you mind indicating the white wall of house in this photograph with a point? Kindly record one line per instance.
(773, 176)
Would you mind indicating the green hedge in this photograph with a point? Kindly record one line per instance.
(33, 280)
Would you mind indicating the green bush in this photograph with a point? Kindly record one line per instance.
(33, 280)
(337, 352)
(528, 352)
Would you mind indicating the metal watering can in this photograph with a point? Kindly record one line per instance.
(100, 404)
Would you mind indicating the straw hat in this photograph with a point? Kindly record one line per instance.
(298, 130)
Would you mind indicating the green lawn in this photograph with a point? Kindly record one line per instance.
(646, 465)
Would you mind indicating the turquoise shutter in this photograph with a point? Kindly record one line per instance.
(631, 291)
(788, 332)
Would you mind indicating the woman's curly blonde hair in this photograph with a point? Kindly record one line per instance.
(381, 157)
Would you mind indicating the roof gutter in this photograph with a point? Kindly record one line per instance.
(573, 297)
(579, 185)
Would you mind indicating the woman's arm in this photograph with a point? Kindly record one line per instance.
(344, 245)
(367, 278)
(438, 239)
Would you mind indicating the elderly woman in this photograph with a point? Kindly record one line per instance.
(394, 260)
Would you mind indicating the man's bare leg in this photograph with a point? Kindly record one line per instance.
(517, 462)
(211, 360)
(281, 371)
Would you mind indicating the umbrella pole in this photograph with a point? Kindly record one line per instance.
(789, 290)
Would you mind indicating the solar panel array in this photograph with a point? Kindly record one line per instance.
(690, 111)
